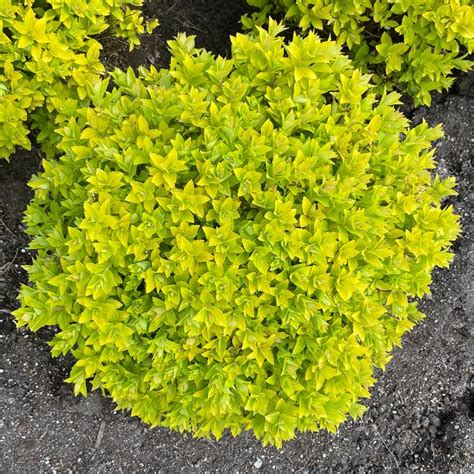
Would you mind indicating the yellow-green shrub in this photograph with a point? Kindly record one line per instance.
(413, 46)
(233, 243)
(49, 61)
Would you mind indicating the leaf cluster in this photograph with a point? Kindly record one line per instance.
(413, 46)
(49, 61)
(235, 243)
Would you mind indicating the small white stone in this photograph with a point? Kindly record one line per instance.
(258, 463)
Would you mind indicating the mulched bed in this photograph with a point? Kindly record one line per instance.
(420, 417)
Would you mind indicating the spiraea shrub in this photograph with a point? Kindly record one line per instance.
(235, 243)
(49, 61)
(413, 46)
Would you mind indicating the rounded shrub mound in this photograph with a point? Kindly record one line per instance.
(234, 244)
(413, 46)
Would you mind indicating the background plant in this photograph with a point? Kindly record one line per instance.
(49, 61)
(236, 243)
(412, 46)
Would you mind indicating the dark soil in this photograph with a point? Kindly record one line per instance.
(212, 22)
(420, 416)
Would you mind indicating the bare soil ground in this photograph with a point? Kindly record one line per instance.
(420, 416)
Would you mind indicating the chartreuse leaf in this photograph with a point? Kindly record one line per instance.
(234, 244)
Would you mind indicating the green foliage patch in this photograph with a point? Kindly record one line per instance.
(413, 46)
(49, 62)
(234, 244)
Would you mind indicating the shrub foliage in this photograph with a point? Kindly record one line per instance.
(413, 46)
(49, 61)
(233, 243)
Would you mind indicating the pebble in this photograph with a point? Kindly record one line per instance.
(258, 463)
(435, 421)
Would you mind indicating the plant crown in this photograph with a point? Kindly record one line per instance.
(233, 243)
(413, 46)
(49, 62)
